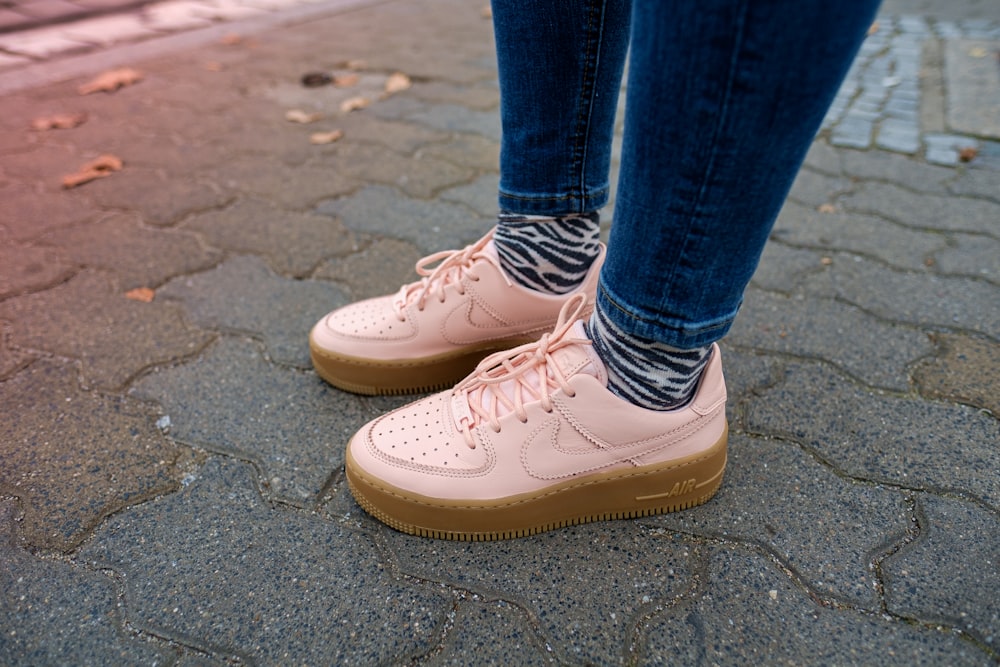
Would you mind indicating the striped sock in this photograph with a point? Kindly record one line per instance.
(548, 254)
(643, 372)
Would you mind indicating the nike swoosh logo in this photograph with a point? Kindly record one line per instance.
(554, 452)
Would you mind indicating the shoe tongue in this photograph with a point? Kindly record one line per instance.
(576, 359)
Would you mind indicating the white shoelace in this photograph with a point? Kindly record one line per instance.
(503, 381)
(454, 265)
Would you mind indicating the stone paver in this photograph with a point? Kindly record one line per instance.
(57, 613)
(755, 613)
(929, 578)
(234, 402)
(111, 337)
(172, 487)
(944, 447)
(73, 457)
(242, 295)
(318, 593)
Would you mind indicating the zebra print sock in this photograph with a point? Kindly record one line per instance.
(548, 254)
(644, 372)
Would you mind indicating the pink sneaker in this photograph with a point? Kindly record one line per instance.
(533, 440)
(433, 332)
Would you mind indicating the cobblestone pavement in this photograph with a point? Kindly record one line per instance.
(171, 485)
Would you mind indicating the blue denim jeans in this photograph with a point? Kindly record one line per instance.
(723, 100)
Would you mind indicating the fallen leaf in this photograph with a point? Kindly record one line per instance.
(873, 28)
(486, 12)
(98, 168)
(968, 154)
(316, 79)
(143, 294)
(929, 262)
(354, 103)
(396, 83)
(346, 80)
(357, 64)
(826, 208)
(232, 39)
(111, 81)
(320, 138)
(300, 116)
(59, 121)
(826, 261)
(978, 52)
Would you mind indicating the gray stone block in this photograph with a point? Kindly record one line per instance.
(217, 568)
(973, 87)
(922, 299)
(822, 527)
(89, 320)
(74, 457)
(928, 211)
(908, 442)
(898, 135)
(878, 354)
(57, 613)
(136, 255)
(751, 613)
(584, 587)
(491, 633)
(883, 166)
(242, 295)
(950, 573)
(431, 226)
(292, 242)
(28, 268)
(894, 244)
(852, 132)
(232, 401)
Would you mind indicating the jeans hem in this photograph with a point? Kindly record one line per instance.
(552, 204)
(676, 333)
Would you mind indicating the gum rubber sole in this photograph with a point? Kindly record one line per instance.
(375, 377)
(623, 494)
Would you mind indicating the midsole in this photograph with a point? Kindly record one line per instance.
(636, 491)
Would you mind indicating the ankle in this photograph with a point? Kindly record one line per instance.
(550, 254)
(645, 372)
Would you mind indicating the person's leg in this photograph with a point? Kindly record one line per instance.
(724, 99)
(560, 68)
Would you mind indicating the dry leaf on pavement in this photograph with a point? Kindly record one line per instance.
(143, 294)
(396, 83)
(968, 154)
(320, 138)
(232, 39)
(826, 208)
(357, 64)
(346, 80)
(59, 121)
(111, 81)
(300, 116)
(354, 103)
(97, 168)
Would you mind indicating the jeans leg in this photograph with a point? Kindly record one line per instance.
(724, 99)
(560, 66)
